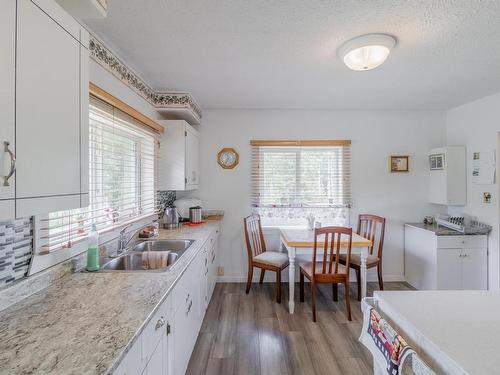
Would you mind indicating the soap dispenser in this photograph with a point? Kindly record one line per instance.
(93, 250)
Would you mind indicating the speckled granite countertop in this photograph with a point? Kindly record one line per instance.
(85, 322)
(439, 230)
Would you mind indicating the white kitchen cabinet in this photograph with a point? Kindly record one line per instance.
(203, 279)
(7, 105)
(85, 9)
(186, 318)
(131, 364)
(447, 180)
(212, 269)
(179, 156)
(168, 339)
(474, 263)
(192, 158)
(50, 97)
(155, 364)
(449, 271)
(453, 262)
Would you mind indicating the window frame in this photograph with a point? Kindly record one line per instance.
(336, 209)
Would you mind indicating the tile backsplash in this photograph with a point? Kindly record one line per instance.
(16, 243)
(165, 199)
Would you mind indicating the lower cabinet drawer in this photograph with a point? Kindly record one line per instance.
(450, 242)
(467, 241)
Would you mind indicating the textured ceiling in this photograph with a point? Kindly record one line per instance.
(282, 53)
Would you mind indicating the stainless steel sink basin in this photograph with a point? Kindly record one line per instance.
(132, 260)
(163, 245)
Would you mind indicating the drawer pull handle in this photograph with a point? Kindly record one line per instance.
(160, 323)
(12, 164)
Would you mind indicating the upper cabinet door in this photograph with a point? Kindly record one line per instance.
(48, 106)
(84, 123)
(7, 97)
(192, 159)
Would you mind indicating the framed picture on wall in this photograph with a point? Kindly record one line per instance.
(399, 163)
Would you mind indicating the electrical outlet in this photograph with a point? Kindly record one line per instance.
(220, 271)
(486, 197)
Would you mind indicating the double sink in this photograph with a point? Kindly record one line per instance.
(132, 258)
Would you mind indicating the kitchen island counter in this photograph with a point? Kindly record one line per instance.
(455, 332)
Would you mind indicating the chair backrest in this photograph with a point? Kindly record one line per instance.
(372, 227)
(331, 248)
(253, 236)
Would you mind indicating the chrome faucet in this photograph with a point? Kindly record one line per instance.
(122, 240)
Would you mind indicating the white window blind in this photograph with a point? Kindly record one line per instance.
(122, 162)
(301, 177)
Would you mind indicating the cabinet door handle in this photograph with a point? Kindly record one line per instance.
(168, 329)
(12, 164)
(160, 323)
(189, 307)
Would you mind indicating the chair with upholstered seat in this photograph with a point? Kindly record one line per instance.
(328, 270)
(260, 257)
(371, 227)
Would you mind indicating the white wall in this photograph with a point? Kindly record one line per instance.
(477, 125)
(375, 135)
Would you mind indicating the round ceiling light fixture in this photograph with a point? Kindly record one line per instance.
(366, 52)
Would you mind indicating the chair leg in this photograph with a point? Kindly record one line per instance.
(380, 281)
(313, 300)
(358, 281)
(262, 273)
(335, 292)
(278, 286)
(347, 300)
(249, 278)
(301, 287)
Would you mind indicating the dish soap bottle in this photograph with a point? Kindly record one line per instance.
(93, 250)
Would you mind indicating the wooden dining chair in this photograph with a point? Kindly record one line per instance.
(371, 227)
(259, 257)
(329, 270)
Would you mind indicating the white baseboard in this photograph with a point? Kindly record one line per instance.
(271, 278)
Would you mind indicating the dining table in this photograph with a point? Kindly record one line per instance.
(300, 241)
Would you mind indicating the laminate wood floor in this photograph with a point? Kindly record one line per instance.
(252, 334)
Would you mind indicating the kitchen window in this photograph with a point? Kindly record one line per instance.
(122, 162)
(292, 179)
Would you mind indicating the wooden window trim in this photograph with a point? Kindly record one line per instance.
(318, 142)
(124, 107)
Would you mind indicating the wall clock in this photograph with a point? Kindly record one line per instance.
(228, 158)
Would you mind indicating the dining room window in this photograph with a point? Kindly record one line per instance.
(122, 162)
(292, 179)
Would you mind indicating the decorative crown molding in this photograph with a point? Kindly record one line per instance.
(158, 99)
